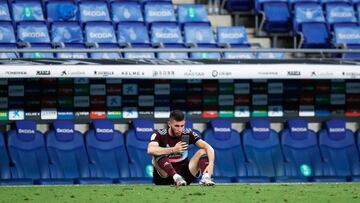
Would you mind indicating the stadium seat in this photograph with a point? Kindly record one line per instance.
(229, 163)
(339, 151)
(339, 14)
(270, 55)
(137, 139)
(100, 32)
(309, 23)
(106, 149)
(7, 39)
(38, 55)
(27, 10)
(276, 15)
(123, 11)
(62, 10)
(66, 32)
(347, 36)
(263, 152)
(238, 5)
(106, 55)
(7, 55)
(27, 152)
(300, 146)
(4, 11)
(160, 11)
(93, 11)
(33, 32)
(168, 35)
(4, 161)
(72, 55)
(192, 13)
(68, 155)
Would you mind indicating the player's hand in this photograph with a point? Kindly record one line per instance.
(209, 169)
(180, 147)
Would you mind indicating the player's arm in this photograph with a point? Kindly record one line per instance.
(155, 150)
(209, 152)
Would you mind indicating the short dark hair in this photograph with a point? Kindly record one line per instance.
(177, 115)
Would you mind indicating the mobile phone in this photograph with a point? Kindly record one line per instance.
(185, 138)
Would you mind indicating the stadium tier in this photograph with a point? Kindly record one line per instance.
(87, 24)
(104, 155)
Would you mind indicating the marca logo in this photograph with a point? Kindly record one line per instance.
(255, 129)
(104, 130)
(16, 115)
(16, 90)
(293, 73)
(94, 13)
(113, 101)
(144, 129)
(242, 88)
(226, 100)
(146, 100)
(48, 114)
(97, 115)
(259, 99)
(33, 34)
(3, 102)
(130, 112)
(81, 101)
(216, 129)
(336, 130)
(130, 89)
(97, 89)
(275, 88)
(26, 131)
(99, 35)
(162, 13)
(242, 111)
(64, 130)
(43, 72)
(298, 129)
(162, 89)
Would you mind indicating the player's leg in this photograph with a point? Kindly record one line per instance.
(165, 170)
(199, 162)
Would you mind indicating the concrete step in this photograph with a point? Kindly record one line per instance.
(263, 41)
(220, 20)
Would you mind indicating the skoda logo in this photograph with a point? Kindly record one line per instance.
(214, 73)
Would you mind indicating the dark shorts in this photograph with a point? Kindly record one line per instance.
(181, 168)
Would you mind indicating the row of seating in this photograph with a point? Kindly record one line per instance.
(258, 154)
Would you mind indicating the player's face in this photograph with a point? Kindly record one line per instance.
(176, 127)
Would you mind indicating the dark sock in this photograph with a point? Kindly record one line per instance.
(203, 163)
(166, 165)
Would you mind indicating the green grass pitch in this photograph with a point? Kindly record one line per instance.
(303, 193)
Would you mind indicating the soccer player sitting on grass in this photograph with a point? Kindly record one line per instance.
(169, 149)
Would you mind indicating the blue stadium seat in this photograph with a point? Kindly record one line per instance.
(339, 151)
(66, 32)
(4, 11)
(167, 35)
(192, 13)
(4, 161)
(28, 154)
(38, 54)
(100, 32)
(132, 33)
(72, 55)
(159, 12)
(137, 139)
(234, 37)
(340, 14)
(229, 163)
(27, 10)
(276, 15)
(62, 10)
(7, 55)
(106, 55)
(300, 146)
(309, 23)
(7, 39)
(68, 155)
(126, 11)
(263, 151)
(238, 55)
(93, 11)
(347, 36)
(106, 149)
(33, 32)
